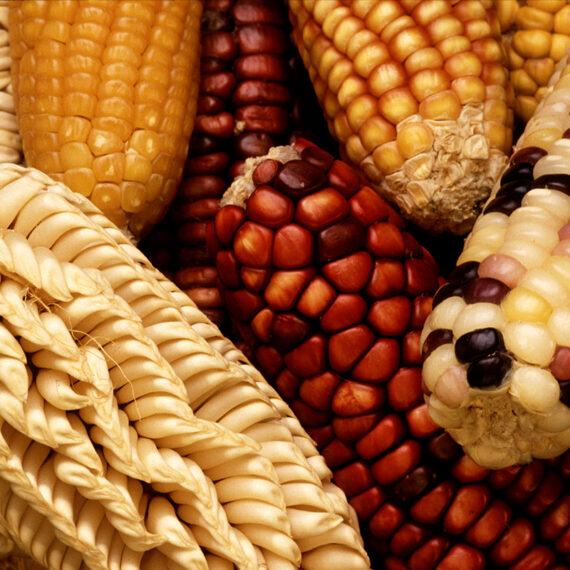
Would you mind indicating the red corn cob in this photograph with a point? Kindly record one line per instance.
(331, 323)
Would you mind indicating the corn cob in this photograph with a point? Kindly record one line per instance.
(105, 95)
(348, 363)
(244, 108)
(417, 95)
(495, 371)
(537, 35)
(126, 438)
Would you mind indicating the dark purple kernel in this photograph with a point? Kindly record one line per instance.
(413, 485)
(518, 171)
(530, 154)
(479, 343)
(463, 272)
(434, 339)
(340, 239)
(515, 188)
(559, 182)
(565, 392)
(317, 157)
(442, 447)
(566, 134)
(489, 370)
(485, 290)
(503, 204)
(445, 291)
(297, 178)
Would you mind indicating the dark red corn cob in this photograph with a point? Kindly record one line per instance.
(330, 288)
(244, 108)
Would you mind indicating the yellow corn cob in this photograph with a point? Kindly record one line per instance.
(126, 437)
(537, 35)
(105, 95)
(496, 345)
(417, 94)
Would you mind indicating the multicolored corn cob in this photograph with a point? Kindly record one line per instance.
(497, 344)
(417, 94)
(537, 35)
(330, 290)
(105, 95)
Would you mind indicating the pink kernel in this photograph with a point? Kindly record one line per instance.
(564, 231)
(560, 364)
(502, 267)
(562, 248)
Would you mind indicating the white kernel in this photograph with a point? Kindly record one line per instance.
(497, 219)
(538, 232)
(552, 163)
(546, 284)
(530, 342)
(444, 314)
(478, 316)
(535, 388)
(555, 202)
(477, 252)
(559, 265)
(559, 325)
(440, 359)
(528, 214)
(557, 420)
(443, 416)
(490, 236)
(452, 388)
(528, 253)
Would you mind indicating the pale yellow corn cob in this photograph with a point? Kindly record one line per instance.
(537, 35)
(107, 355)
(105, 96)
(496, 370)
(417, 95)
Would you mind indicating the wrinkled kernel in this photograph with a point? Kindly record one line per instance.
(530, 342)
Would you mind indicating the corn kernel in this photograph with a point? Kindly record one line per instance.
(477, 29)
(114, 107)
(375, 132)
(382, 14)
(523, 82)
(530, 18)
(341, 127)
(355, 149)
(132, 196)
(109, 167)
(461, 64)
(329, 58)
(560, 45)
(478, 316)
(81, 180)
(428, 11)
(358, 41)
(322, 9)
(388, 157)
(532, 43)
(75, 155)
(425, 58)
(496, 110)
(414, 138)
(104, 142)
(488, 49)
(352, 87)
(361, 8)
(369, 57)
(397, 104)
(427, 82)
(119, 127)
(407, 42)
(444, 105)
(453, 45)
(385, 77)
(536, 389)
(83, 105)
(469, 90)
(548, 5)
(106, 196)
(137, 168)
(121, 71)
(395, 27)
(447, 26)
(494, 74)
(339, 73)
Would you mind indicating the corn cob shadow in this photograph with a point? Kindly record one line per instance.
(132, 406)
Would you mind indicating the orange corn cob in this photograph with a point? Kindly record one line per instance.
(417, 94)
(537, 35)
(105, 95)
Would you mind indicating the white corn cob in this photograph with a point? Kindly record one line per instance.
(497, 343)
(169, 447)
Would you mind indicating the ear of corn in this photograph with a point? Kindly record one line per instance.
(127, 437)
(537, 35)
(495, 373)
(417, 95)
(105, 95)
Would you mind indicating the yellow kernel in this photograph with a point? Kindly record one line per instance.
(446, 26)
(548, 5)
(47, 104)
(109, 167)
(388, 158)
(522, 304)
(115, 107)
(498, 136)
(81, 180)
(477, 29)
(546, 284)
(407, 42)
(137, 167)
(397, 104)
(53, 67)
(136, 41)
(154, 74)
(41, 142)
(543, 138)
(106, 196)
(328, 59)
(49, 48)
(86, 83)
(414, 138)
(469, 89)
(133, 196)
(119, 70)
(382, 14)
(523, 82)
(355, 150)
(375, 132)
(115, 88)
(104, 142)
(495, 110)
(425, 58)
(329, 104)
(488, 49)
(386, 76)
(62, 11)
(31, 30)
(341, 128)
(429, 10)
(369, 57)
(358, 41)
(444, 105)
(333, 19)
(150, 93)
(82, 104)
(119, 127)
(461, 64)
(561, 23)
(345, 31)
(351, 88)
(427, 82)
(540, 70)
(529, 18)
(361, 7)
(560, 45)
(157, 55)
(75, 155)
(165, 39)
(154, 187)
(146, 143)
(468, 10)
(494, 74)
(340, 71)
(532, 43)
(453, 46)
(40, 123)
(396, 27)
